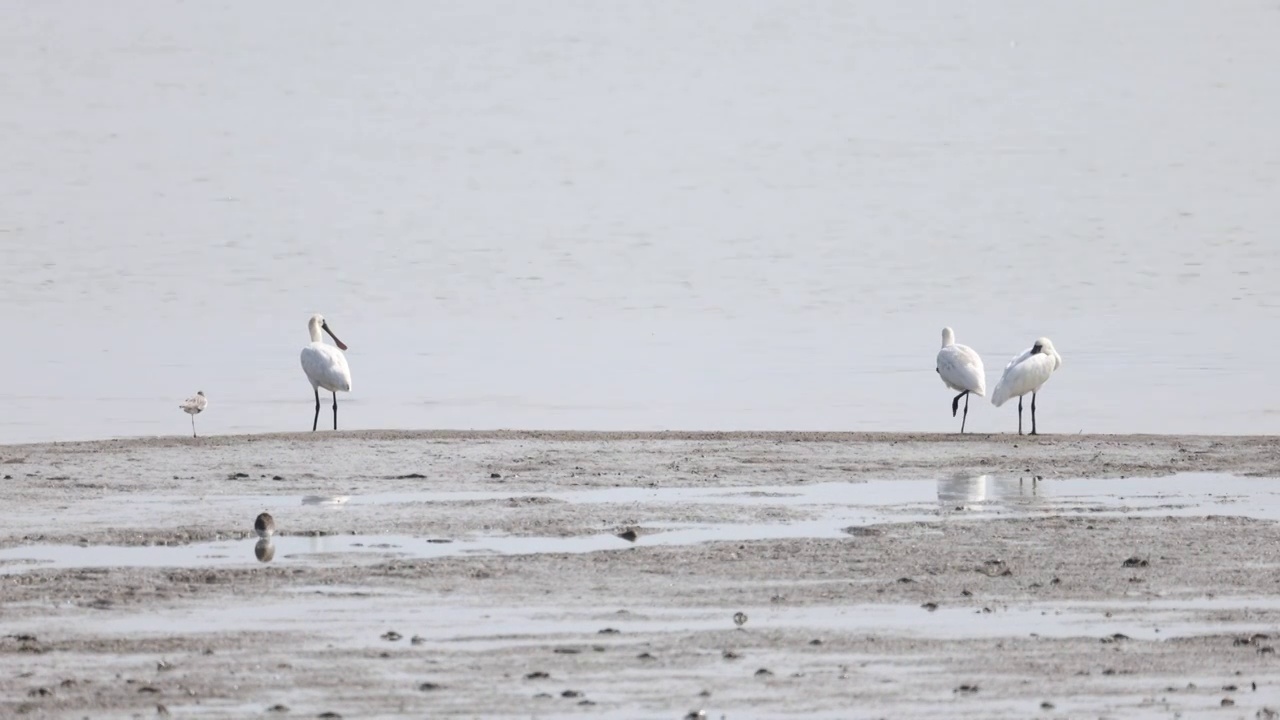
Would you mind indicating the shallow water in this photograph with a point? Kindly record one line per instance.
(833, 509)
(560, 214)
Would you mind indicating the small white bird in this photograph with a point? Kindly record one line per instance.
(325, 366)
(1025, 374)
(960, 369)
(193, 406)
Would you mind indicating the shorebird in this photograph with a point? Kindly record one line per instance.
(325, 366)
(264, 525)
(193, 406)
(1026, 373)
(960, 369)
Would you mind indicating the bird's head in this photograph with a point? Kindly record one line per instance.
(948, 337)
(1045, 346)
(318, 323)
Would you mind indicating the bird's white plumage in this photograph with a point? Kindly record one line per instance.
(325, 365)
(195, 405)
(1027, 372)
(960, 367)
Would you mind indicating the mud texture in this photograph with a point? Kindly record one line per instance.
(1058, 611)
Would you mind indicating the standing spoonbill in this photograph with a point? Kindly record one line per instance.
(1025, 374)
(960, 369)
(193, 406)
(325, 366)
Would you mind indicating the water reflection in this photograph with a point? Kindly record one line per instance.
(325, 499)
(985, 492)
(264, 550)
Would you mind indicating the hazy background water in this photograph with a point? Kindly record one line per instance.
(639, 215)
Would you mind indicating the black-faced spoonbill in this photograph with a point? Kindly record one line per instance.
(960, 369)
(1025, 374)
(325, 366)
(193, 406)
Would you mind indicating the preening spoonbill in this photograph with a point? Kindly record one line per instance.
(1025, 374)
(325, 366)
(193, 406)
(960, 369)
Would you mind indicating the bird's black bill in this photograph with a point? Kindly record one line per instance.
(341, 345)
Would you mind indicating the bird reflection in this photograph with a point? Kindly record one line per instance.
(264, 550)
(986, 491)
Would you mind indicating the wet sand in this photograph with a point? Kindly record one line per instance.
(480, 575)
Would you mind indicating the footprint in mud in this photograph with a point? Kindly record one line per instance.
(995, 568)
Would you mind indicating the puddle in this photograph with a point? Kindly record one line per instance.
(289, 550)
(832, 507)
(1189, 493)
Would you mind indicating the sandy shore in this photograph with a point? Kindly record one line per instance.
(881, 575)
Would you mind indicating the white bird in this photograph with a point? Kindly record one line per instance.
(1026, 373)
(325, 366)
(960, 369)
(193, 406)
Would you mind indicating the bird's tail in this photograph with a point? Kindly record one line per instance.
(999, 395)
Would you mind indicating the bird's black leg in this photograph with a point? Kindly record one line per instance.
(966, 411)
(1033, 414)
(335, 411)
(955, 404)
(316, 420)
(193, 426)
(1019, 414)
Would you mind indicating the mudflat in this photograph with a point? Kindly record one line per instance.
(641, 575)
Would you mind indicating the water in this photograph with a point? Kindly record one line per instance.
(832, 509)
(598, 216)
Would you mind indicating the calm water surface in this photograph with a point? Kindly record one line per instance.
(637, 215)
